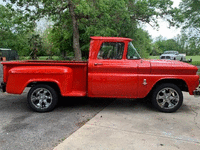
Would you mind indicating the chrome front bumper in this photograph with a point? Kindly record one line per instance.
(197, 91)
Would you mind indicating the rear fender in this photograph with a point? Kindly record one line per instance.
(20, 77)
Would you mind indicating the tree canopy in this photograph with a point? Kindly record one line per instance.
(80, 19)
(189, 14)
(12, 29)
(74, 21)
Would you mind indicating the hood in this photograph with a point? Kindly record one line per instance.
(172, 67)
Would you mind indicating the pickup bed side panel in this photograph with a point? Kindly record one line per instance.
(20, 77)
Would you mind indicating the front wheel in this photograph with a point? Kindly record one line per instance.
(42, 98)
(167, 98)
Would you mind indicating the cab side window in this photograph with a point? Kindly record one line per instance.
(112, 50)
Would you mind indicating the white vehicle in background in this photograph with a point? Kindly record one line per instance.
(174, 55)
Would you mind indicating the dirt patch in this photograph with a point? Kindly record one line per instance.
(80, 124)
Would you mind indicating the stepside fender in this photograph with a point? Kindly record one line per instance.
(20, 77)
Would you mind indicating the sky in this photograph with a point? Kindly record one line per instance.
(163, 29)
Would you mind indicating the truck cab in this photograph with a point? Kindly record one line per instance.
(111, 71)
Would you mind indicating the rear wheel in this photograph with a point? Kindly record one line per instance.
(167, 98)
(42, 98)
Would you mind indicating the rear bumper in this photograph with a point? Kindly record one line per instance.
(3, 87)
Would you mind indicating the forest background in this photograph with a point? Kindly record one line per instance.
(72, 22)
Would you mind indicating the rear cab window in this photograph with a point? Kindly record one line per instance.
(111, 50)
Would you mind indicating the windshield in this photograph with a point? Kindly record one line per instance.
(132, 52)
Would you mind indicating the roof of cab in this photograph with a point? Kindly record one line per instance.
(110, 38)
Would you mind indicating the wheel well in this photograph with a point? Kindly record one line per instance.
(178, 82)
(51, 84)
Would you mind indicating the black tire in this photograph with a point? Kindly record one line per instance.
(167, 98)
(42, 98)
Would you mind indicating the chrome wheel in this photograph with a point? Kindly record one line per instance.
(167, 98)
(41, 98)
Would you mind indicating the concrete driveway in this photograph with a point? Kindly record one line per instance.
(128, 125)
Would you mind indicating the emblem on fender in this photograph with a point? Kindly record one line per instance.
(145, 82)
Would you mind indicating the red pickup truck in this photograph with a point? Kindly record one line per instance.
(114, 70)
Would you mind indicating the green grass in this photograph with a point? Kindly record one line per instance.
(196, 63)
(154, 57)
(39, 58)
(194, 58)
(47, 57)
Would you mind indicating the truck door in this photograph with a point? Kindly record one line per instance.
(111, 74)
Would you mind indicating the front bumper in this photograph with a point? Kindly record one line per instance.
(3, 87)
(197, 91)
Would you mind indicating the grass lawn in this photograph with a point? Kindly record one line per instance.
(46, 57)
(195, 59)
(154, 57)
(39, 58)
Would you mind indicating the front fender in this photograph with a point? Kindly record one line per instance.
(20, 77)
(191, 81)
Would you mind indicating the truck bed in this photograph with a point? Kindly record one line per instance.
(52, 62)
(79, 73)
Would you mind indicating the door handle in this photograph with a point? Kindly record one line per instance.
(98, 64)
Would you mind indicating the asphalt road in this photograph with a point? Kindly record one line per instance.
(21, 128)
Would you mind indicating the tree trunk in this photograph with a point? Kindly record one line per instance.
(76, 44)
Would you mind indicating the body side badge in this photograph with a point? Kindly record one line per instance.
(145, 82)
